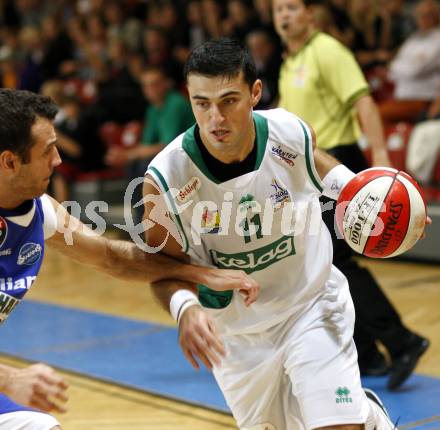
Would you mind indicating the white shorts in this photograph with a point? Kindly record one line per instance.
(17, 417)
(300, 375)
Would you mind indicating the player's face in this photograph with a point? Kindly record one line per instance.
(223, 108)
(292, 19)
(33, 177)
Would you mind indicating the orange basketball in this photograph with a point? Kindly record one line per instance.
(381, 212)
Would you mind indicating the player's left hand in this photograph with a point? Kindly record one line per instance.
(199, 339)
(428, 222)
(225, 279)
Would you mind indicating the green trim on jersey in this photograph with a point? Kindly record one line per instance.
(309, 155)
(174, 214)
(190, 146)
(214, 299)
(262, 134)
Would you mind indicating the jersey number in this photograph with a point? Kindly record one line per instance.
(256, 222)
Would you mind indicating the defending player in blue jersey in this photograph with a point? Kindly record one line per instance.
(29, 219)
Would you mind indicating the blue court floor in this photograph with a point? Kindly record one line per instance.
(147, 357)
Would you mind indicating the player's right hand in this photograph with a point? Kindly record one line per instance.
(199, 339)
(38, 386)
(226, 279)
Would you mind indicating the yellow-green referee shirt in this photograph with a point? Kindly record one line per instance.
(320, 83)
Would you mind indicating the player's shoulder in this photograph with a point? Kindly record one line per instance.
(171, 151)
(284, 127)
(328, 46)
(324, 40)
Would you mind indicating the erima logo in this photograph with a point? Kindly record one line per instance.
(9, 284)
(342, 394)
(283, 155)
(255, 260)
(29, 254)
(3, 231)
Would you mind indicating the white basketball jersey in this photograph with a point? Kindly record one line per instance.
(266, 222)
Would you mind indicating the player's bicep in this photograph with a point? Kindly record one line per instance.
(160, 230)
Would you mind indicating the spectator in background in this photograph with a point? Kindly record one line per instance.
(321, 82)
(240, 19)
(424, 144)
(267, 61)
(401, 23)
(31, 73)
(212, 18)
(416, 68)
(371, 34)
(158, 53)
(194, 15)
(57, 47)
(341, 26)
(168, 114)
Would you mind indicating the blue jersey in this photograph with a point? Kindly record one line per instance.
(21, 252)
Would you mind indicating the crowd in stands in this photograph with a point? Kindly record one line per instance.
(93, 57)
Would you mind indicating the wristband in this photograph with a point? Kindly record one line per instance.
(335, 181)
(180, 301)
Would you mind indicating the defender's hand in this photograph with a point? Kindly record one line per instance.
(37, 386)
(225, 279)
(199, 339)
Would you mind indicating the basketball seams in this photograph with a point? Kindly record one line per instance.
(410, 219)
(413, 194)
(383, 202)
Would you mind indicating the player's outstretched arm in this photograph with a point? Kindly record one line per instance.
(38, 386)
(125, 260)
(372, 128)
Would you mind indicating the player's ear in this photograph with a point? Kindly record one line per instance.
(256, 92)
(8, 160)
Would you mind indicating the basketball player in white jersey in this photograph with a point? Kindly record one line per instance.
(243, 188)
(29, 219)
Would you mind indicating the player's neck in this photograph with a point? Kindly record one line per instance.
(232, 153)
(8, 200)
(294, 45)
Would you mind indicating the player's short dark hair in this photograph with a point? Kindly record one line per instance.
(18, 112)
(221, 57)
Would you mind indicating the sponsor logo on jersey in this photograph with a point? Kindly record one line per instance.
(280, 196)
(210, 222)
(6, 252)
(7, 305)
(342, 395)
(283, 154)
(193, 185)
(8, 284)
(29, 254)
(3, 231)
(246, 202)
(255, 260)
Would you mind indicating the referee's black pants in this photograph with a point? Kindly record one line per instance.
(376, 318)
